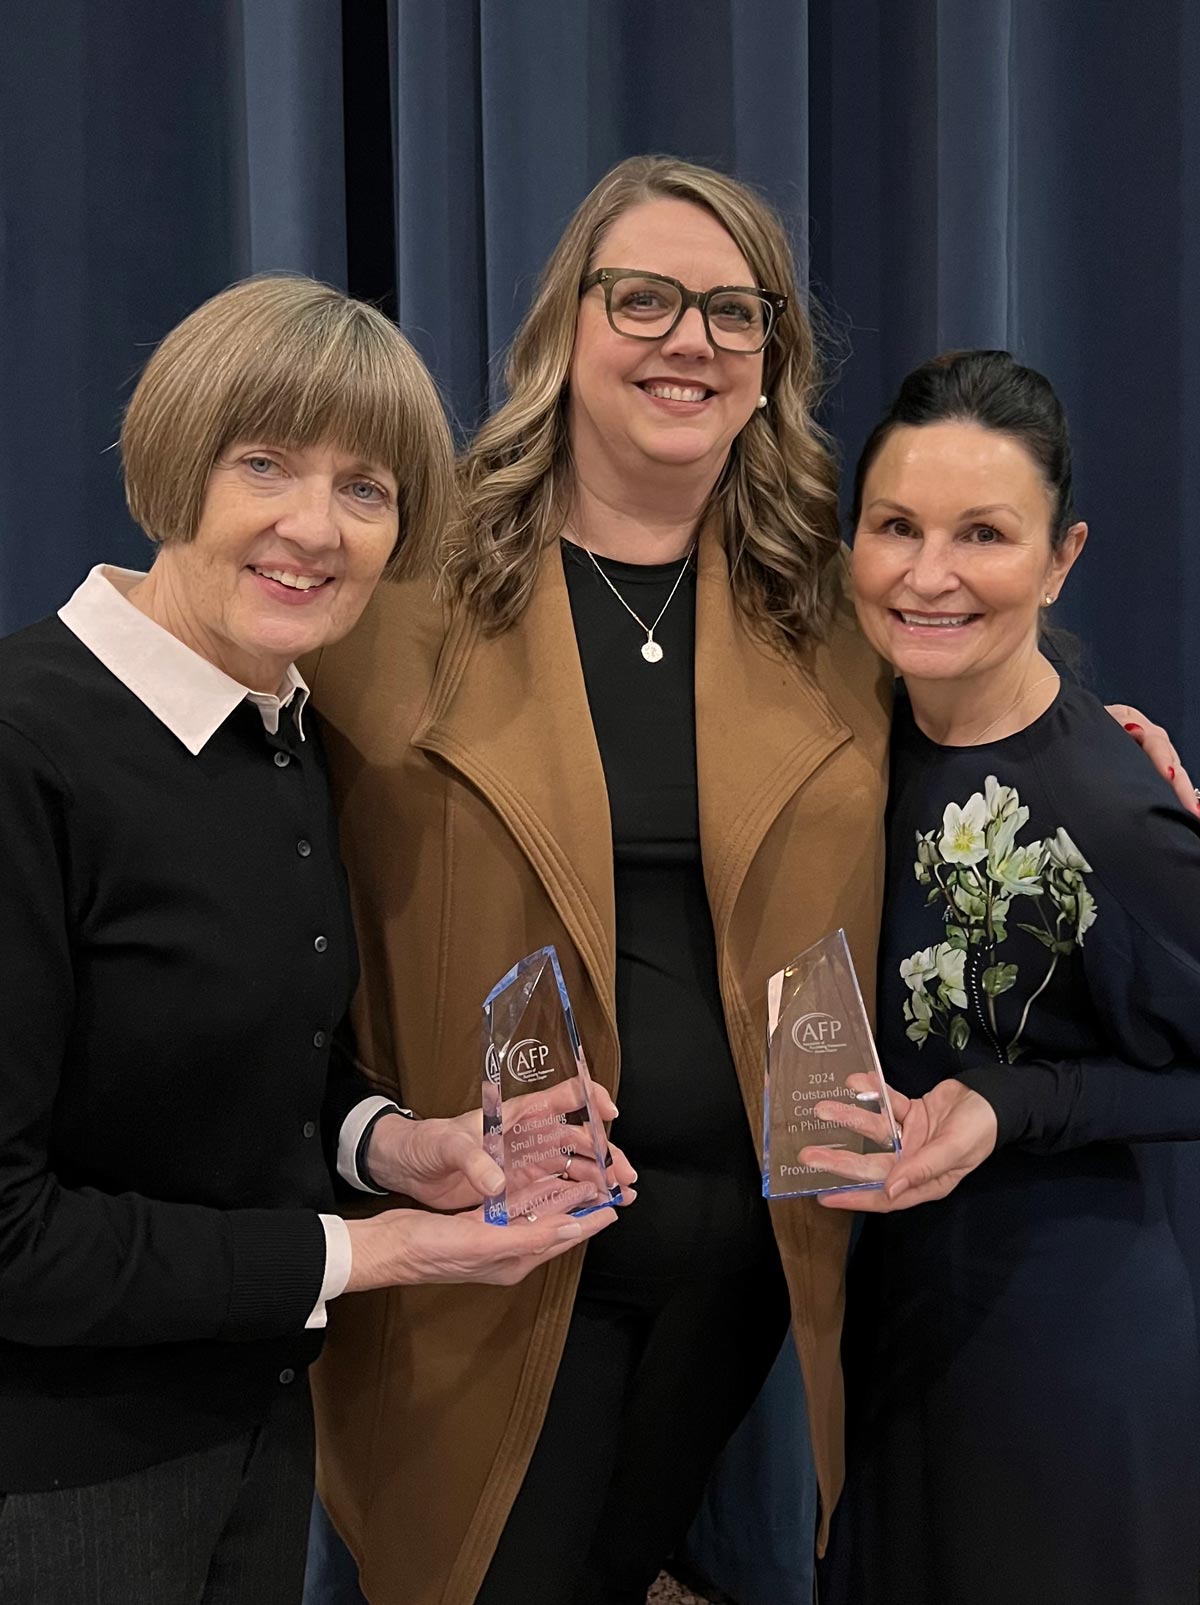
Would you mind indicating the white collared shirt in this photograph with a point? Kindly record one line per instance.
(184, 691)
(193, 699)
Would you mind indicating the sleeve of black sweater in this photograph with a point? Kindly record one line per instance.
(1141, 960)
(349, 1084)
(80, 1266)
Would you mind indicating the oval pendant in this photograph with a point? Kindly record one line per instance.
(652, 652)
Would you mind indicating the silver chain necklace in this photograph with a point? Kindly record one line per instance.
(651, 650)
(1029, 689)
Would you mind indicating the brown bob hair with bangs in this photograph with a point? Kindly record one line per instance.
(289, 362)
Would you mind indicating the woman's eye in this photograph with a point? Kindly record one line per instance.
(898, 526)
(732, 314)
(365, 490)
(984, 534)
(642, 301)
(258, 464)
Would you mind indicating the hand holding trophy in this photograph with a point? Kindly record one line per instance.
(540, 1121)
(821, 1054)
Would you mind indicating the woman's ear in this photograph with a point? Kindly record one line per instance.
(1063, 560)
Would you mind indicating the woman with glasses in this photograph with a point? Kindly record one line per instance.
(637, 721)
(639, 724)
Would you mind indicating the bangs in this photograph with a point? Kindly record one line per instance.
(333, 377)
(285, 361)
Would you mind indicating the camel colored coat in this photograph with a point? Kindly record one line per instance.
(475, 828)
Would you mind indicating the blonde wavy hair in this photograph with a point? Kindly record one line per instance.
(778, 490)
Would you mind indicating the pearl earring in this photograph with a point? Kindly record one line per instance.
(1047, 600)
(761, 402)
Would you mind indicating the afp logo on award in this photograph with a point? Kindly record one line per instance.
(529, 1061)
(818, 1033)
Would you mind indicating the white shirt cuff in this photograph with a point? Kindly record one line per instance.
(355, 1123)
(338, 1260)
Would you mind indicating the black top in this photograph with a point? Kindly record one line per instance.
(682, 1119)
(167, 1112)
(1023, 1365)
(1110, 1047)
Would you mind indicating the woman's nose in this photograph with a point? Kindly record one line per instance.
(309, 517)
(931, 571)
(688, 338)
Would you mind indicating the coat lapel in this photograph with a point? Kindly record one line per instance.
(763, 727)
(510, 713)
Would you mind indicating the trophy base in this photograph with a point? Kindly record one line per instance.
(813, 1184)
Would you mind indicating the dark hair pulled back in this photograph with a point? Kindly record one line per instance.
(993, 390)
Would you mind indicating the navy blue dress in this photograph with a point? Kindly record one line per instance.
(1023, 1368)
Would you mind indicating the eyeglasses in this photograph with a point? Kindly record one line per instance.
(648, 306)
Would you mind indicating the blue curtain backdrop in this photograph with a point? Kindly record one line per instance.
(1022, 173)
(1001, 172)
(1004, 172)
(149, 155)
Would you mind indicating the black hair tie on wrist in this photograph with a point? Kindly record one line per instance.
(360, 1153)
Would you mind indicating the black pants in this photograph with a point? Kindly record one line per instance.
(649, 1391)
(221, 1526)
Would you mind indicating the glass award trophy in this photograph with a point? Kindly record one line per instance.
(817, 1036)
(538, 1120)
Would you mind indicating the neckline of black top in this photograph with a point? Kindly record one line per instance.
(631, 573)
(981, 746)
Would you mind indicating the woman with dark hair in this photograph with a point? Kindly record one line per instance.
(1023, 1369)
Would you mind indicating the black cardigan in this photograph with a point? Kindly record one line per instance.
(176, 951)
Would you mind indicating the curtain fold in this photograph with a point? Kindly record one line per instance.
(440, 241)
(149, 155)
(1005, 173)
(290, 163)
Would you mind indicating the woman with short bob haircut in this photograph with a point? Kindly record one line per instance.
(177, 1102)
(293, 361)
